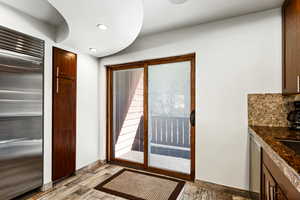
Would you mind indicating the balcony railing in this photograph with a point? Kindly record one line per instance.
(170, 131)
(168, 136)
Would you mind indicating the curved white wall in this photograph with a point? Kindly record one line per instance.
(234, 57)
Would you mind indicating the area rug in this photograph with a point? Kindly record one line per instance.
(137, 185)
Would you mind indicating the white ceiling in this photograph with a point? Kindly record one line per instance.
(128, 19)
(123, 18)
(162, 15)
(39, 9)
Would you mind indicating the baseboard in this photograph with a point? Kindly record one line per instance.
(225, 189)
(47, 186)
(255, 195)
(103, 162)
(93, 165)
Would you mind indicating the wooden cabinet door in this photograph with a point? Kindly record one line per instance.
(64, 127)
(268, 185)
(280, 194)
(270, 189)
(291, 47)
(64, 64)
(272, 176)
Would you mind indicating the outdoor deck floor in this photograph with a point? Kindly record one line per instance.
(160, 161)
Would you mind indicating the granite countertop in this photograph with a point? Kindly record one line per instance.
(286, 159)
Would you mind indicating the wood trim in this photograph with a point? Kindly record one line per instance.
(146, 116)
(193, 108)
(108, 113)
(170, 173)
(127, 163)
(111, 152)
(129, 66)
(157, 61)
(173, 196)
(144, 64)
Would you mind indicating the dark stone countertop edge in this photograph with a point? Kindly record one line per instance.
(287, 170)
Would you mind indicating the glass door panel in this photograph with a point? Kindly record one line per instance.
(169, 108)
(128, 117)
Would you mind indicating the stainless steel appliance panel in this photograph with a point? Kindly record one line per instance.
(21, 113)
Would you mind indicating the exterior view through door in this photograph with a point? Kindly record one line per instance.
(150, 115)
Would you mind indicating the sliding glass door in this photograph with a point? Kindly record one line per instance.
(128, 114)
(151, 115)
(169, 108)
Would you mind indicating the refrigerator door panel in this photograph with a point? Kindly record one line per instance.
(21, 167)
(21, 113)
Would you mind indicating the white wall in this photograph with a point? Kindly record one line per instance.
(87, 90)
(87, 111)
(234, 57)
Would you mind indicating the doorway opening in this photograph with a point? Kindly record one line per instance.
(151, 115)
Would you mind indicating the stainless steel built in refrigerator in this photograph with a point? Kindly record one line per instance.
(21, 113)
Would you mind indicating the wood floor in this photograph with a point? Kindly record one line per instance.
(81, 187)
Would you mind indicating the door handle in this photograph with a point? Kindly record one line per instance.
(192, 118)
(57, 80)
(57, 85)
(57, 71)
(298, 84)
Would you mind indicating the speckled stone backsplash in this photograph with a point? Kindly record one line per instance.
(269, 109)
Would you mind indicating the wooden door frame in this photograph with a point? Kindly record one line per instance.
(109, 125)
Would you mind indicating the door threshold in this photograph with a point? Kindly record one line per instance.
(141, 167)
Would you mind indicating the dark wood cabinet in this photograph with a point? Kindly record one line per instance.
(268, 185)
(280, 194)
(270, 189)
(64, 114)
(291, 47)
(63, 64)
(274, 184)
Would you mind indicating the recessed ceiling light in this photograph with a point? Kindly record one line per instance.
(178, 1)
(101, 26)
(93, 50)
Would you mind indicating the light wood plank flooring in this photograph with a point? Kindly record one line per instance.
(81, 187)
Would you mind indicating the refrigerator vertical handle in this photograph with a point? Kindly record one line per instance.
(192, 118)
